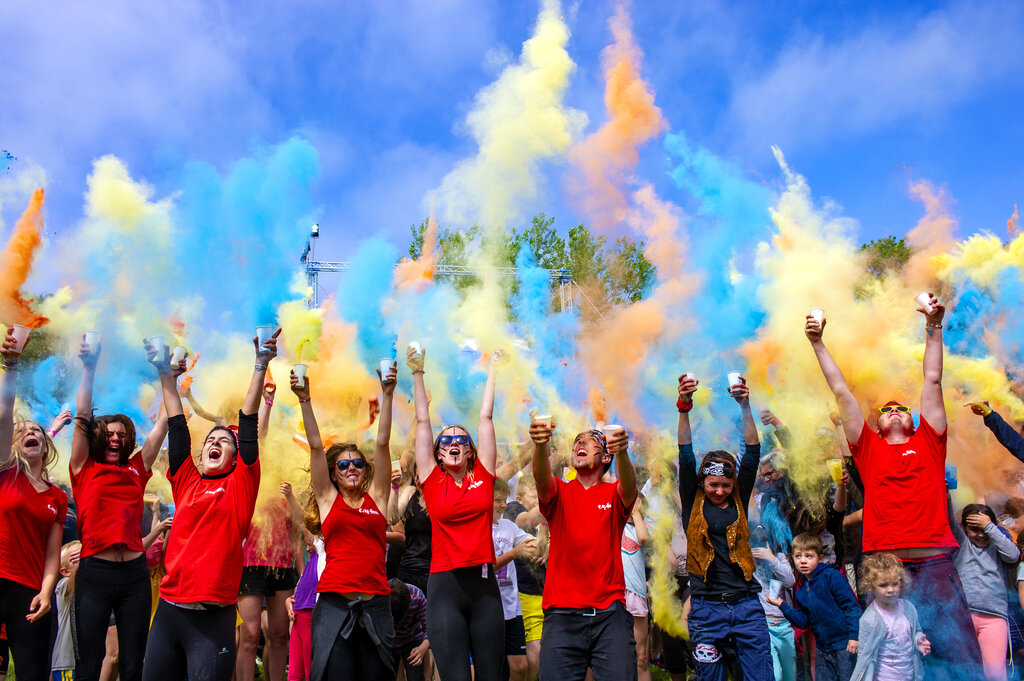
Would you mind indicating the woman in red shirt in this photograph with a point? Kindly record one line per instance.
(31, 522)
(108, 478)
(193, 632)
(464, 613)
(353, 632)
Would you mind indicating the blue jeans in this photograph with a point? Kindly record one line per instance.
(832, 665)
(783, 648)
(712, 622)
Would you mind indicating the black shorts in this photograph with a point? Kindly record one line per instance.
(515, 636)
(262, 580)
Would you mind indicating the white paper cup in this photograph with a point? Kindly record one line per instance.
(533, 414)
(922, 299)
(818, 314)
(416, 347)
(263, 334)
(159, 343)
(774, 588)
(92, 341)
(178, 354)
(300, 373)
(732, 378)
(385, 366)
(544, 419)
(610, 429)
(20, 336)
(688, 374)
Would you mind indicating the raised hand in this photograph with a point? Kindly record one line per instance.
(740, 392)
(301, 391)
(267, 351)
(813, 329)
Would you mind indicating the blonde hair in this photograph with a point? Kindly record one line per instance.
(65, 554)
(18, 462)
(878, 566)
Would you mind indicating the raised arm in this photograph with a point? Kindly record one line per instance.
(617, 447)
(200, 411)
(1006, 434)
(8, 391)
(540, 433)
(849, 409)
(380, 487)
(83, 405)
(425, 463)
(264, 354)
(752, 450)
(687, 386)
(687, 460)
(933, 410)
(319, 474)
(486, 445)
(269, 390)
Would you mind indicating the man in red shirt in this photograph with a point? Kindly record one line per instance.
(903, 470)
(585, 619)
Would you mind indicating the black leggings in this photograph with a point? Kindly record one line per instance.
(105, 586)
(198, 645)
(29, 641)
(464, 617)
(356, 659)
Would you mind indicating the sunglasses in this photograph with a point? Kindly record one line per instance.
(446, 440)
(343, 464)
(899, 407)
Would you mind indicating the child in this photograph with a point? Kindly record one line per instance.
(409, 610)
(889, 629)
(634, 539)
(62, 664)
(510, 542)
(300, 610)
(979, 561)
(775, 567)
(826, 605)
(530, 572)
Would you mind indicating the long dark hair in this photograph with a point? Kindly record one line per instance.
(96, 434)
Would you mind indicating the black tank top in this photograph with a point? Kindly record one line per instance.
(416, 557)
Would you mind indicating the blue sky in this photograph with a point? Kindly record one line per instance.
(861, 96)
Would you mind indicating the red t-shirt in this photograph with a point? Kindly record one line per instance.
(26, 519)
(585, 557)
(460, 519)
(269, 542)
(204, 551)
(904, 490)
(109, 502)
(355, 541)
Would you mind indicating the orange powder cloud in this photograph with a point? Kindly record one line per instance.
(16, 263)
(605, 160)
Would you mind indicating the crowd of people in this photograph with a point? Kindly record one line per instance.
(459, 561)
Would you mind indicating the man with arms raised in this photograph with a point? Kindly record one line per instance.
(585, 619)
(903, 470)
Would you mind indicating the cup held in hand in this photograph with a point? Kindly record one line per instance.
(774, 588)
(835, 468)
(263, 334)
(386, 364)
(818, 315)
(159, 344)
(92, 341)
(733, 379)
(177, 355)
(20, 334)
(923, 299)
(300, 373)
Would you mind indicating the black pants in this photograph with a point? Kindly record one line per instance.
(572, 642)
(413, 672)
(198, 645)
(103, 587)
(29, 641)
(416, 578)
(356, 659)
(464, 618)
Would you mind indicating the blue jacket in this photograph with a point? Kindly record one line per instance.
(826, 605)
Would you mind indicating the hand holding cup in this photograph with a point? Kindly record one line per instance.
(300, 388)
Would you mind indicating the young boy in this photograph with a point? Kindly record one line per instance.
(409, 609)
(525, 512)
(826, 605)
(510, 542)
(62, 664)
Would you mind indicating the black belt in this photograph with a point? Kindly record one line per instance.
(729, 597)
(584, 612)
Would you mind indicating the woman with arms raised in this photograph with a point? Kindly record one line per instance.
(353, 632)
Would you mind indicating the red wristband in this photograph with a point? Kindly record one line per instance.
(684, 406)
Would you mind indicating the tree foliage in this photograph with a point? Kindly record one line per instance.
(886, 255)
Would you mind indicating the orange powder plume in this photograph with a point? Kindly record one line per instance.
(606, 159)
(419, 273)
(597, 405)
(931, 236)
(16, 263)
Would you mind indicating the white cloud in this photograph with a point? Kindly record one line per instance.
(820, 89)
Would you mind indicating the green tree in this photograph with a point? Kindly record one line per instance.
(886, 255)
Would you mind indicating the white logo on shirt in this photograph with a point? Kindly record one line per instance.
(908, 452)
(134, 471)
(50, 506)
(604, 507)
(215, 491)
(475, 485)
(368, 511)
